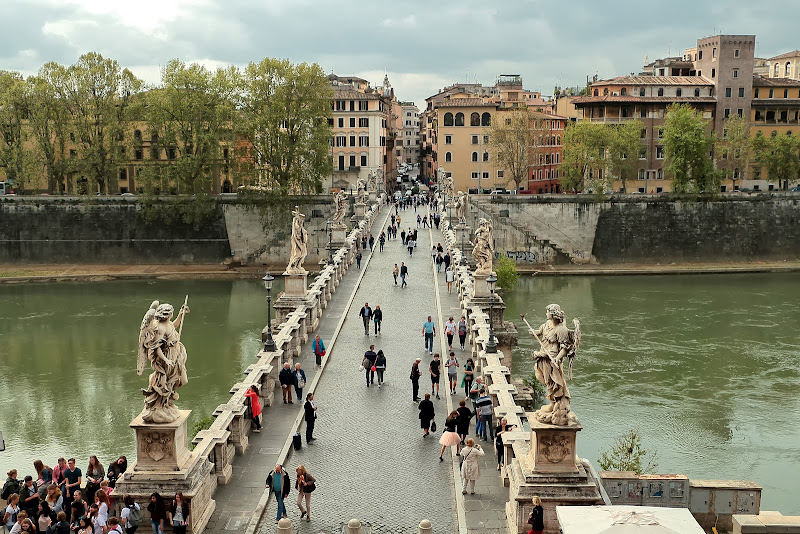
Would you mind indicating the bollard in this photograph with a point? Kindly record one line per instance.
(285, 526)
(425, 527)
(354, 526)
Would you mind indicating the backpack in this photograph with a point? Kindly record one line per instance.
(135, 517)
(8, 488)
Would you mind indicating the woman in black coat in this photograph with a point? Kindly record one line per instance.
(426, 414)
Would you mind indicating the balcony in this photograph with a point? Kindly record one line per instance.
(610, 120)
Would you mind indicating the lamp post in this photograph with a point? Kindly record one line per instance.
(491, 345)
(462, 226)
(330, 241)
(269, 344)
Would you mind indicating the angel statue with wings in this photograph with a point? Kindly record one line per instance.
(160, 343)
(557, 343)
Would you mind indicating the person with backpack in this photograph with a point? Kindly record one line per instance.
(11, 486)
(61, 526)
(131, 515)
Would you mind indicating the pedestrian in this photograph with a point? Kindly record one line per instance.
(116, 469)
(446, 259)
(435, 369)
(484, 406)
(380, 366)
(428, 333)
(468, 377)
(415, 374)
(278, 484)
(403, 274)
(452, 371)
(255, 406)
(114, 526)
(433, 254)
(377, 317)
(131, 515)
(381, 240)
(371, 242)
(95, 473)
(464, 417)
(364, 242)
(439, 248)
(462, 332)
(426, 414)
(77, 507)
(11, 512)
(501, 429)
(319, 350)
(474, 393)
(304, 484)
(450, 332)
(395, 273)
(310, 416)
(299, 381)
(369, 364)
(393, 219)
(450, 437)
(366, 314)
(438, 262)
(179, 512)
(449, 277)
(419, 218)
(536, 517)
(286, 380)
(62, 525)
(54, 499)
(29, 497)
(470, 468)
(403, 237)
(358, 260)
(157, 513)
(411, 245)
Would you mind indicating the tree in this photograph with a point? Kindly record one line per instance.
(781, 157)
(624, 144)
(15, 158)
(627, 454)
(284, 111)
(192, 113)
(506, 270)
(735, 149)
(688, 151)
(98, 95)
(511, 141)
(585, 145)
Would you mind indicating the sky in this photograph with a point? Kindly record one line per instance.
(422, 45)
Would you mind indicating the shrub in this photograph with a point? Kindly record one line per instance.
(506, 270)
(539, 391)
(203, 424)
(627, 454)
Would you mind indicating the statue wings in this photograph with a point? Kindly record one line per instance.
(575, 337)
(141, 361)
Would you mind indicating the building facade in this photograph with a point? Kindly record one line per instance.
(411, 132)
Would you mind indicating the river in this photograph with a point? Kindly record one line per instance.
(705, 367)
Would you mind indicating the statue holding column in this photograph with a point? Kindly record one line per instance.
(299, 249)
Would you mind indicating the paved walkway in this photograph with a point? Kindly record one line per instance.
(370, 459)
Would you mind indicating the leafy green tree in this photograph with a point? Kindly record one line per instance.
(511, 141)
(688, 147)
(627, 454)
(780, 155)
(192, 113)
(284, 111)
(506, 270)
(15, 159)
(624, 144)
(98, 96)
(585, 147)
(734, 150)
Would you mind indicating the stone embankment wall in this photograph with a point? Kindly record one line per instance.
(642, 228)
(124, 230)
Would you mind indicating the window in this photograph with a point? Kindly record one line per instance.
(448, 156)
(735, 73)
(788, 69)
(485, 139)
(474, 119)
(363, 140)
(740, 112)
(697, 92)
(785, 93)
(736, 53)
(727, 112)
(448, 139)
(777, 71)
(771, 93)
(713, 73)
(485, 156)
(660, 91)
(352, 140)
(486, 119)
(486, 176)
(352, 122)
(341, 140)
(605, 91)
(700, 56)
(774, 133)
(353, 105)
(643, 153)
(641, 91)
(660, 175)
(595, 92)
(459, 119)
(137, 154)
(474, 139)
(363, 160)
(363, 122)
(641, 174)
(474, 156)
(448, 119)
(661, 133)
(623, 92)
(643, 134)
(171, 153)
(755, 92)
(474, 175)
(727, 92)
(501, 174)
(352, 161)
(341, 122)
(713, 52)
(678, 92)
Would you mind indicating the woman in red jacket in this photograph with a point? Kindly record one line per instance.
(255, 406)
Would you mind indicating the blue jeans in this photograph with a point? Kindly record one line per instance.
(486, 421)
(156, 526)
(429, 342)
(281, 506)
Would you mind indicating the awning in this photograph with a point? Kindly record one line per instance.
(626, 520)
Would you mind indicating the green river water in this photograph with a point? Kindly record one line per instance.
(706, 367)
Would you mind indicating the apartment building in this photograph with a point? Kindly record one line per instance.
(411, 133)
(784, 66)
(647, 98)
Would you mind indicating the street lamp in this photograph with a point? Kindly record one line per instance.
(330, 242)
(462, 226)
(269, 344)
(491, 345)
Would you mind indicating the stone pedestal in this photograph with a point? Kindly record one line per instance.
(165, 464)
(338, 236)
(295, 284)
(361, 211)
(480, 288)
(373, 197)
(554, 447)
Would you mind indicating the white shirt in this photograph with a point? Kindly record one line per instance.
(449, 275)
(126, 511)
(449, 327)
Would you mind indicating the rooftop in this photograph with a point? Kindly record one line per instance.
(793, 53)
(759, 81)
(655, 80)
(344, 91)
(612, 99)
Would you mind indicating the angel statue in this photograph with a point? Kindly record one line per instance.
(341, 209)
(299, 249)
(461, 206)
(557, 343)
(372, 180)
(362, 191)
(160, 343)
(483, 251)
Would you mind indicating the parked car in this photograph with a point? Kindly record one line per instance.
(796, 189)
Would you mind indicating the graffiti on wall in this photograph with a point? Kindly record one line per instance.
(519, 256)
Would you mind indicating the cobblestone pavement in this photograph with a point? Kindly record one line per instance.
(370, 459)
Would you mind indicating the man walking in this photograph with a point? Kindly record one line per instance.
(403, 273)
(411, 245)
(377, 317)
(415, 374)
(278, 483)
(484, 405)
(382, 240)
(435, 368)
(366, 314)
(358, 260)
(286, 378)
(369, 361)
(395, 273)
(310, 410)
(429, 332)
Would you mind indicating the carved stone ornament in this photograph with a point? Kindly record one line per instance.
(157, 445)
(554, 448)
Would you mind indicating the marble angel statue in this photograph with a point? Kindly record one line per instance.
(483, 251)
(299, 249)
(340, 201)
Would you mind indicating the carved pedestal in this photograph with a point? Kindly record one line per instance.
(480, 288)
(295, 284)
(554, 447)
(165, 464)
(361, 211)
(373, 197)
(338, 236)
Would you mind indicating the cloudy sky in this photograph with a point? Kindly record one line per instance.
(423, 45)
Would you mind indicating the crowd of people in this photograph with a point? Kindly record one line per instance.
(65, 499)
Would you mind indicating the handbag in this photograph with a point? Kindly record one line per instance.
(461, 465)
(373, 369)
(309, 488)
(433, 426)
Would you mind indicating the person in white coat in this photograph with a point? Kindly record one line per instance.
(470, 468)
